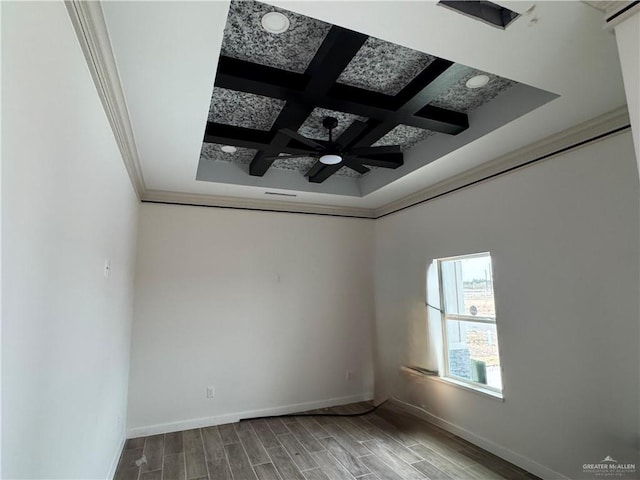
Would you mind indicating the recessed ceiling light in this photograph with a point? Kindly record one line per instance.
(228, 149)
(477, 81)
(330, 159)
(275, 22)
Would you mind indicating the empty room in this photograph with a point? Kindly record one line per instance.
(320, 240)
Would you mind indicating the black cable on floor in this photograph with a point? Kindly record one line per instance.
(286, 415)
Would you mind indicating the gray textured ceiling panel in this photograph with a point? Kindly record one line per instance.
(245, 39)
(384, 67)
(462, 99)
(405, 136)
(211, 152)
(243, 109)
(312, 127)
(347, 172)
(298, 164)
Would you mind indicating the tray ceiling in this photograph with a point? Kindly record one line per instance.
(383, 73)
(169, 55)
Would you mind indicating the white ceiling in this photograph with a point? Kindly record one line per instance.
(167, 52)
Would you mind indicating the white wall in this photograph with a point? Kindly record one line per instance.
(67, 205)
(563, 236)
(269, 308)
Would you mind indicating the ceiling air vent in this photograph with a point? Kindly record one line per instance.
(487, 12)
(281, 194)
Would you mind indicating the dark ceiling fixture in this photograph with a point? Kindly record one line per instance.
(318, 87)
(483, 10)
(341, 152)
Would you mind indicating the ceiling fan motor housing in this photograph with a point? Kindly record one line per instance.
(330, 122)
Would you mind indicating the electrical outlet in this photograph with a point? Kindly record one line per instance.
(211, 392)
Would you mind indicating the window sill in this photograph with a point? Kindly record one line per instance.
(454, 383)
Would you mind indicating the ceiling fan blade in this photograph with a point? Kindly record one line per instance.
(375, 150)
(287, 157)
(313, 171)
(325, 173)
(389, 160)
(320, 172)
(355, 165)
(301, 138)
(351, 133)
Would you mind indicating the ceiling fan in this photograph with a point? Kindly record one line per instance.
(340, 152)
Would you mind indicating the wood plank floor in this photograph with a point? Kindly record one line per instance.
(388, 444)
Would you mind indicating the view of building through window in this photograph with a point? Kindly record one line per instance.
(469, 320)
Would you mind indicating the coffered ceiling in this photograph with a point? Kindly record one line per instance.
(200, 75)
(380, 93)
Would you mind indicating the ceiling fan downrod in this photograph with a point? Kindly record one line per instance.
(330, 123)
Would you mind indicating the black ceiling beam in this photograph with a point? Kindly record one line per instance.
(248, 138)
(257, 79)
(291, 116)
(375, 131)
(352, 132)
(452, 123)
(236, 136)
(414, 98)
(435, 79)
(336, 51)
(441, 119)
(424, 88)
(428, 84)
(411, 100)
(360, 100)
(250, 77)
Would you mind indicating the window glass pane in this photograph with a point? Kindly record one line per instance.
(468, 286)
(472, 352)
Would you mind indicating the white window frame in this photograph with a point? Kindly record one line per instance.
(444, 316)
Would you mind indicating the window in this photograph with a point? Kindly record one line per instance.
(470, 337)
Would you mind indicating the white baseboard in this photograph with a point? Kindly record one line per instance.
(234, 417)
(116, 458)
(499, 450)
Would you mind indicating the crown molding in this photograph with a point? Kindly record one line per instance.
(595, 130)
(176, 198)
(606, 6)
(91, 29)
(615, 11)
(557, 143)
